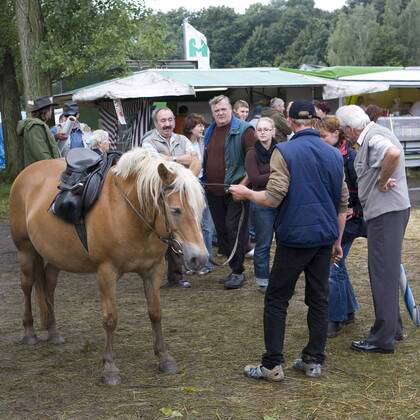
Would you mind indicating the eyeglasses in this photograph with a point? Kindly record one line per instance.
(264, 130)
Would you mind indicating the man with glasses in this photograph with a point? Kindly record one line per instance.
(227, 141)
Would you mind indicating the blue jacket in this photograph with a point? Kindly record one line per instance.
(307, 217)
(233, 153)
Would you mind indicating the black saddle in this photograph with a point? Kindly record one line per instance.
(80, 186)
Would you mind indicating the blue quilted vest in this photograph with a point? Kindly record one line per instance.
(233, 153)
(307, 217)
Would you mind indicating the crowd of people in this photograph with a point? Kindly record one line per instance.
(314, 180)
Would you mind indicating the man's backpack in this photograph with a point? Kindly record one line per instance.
(80, 186)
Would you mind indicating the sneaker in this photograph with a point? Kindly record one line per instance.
(223, 280)
(236, 281)
(190, 272)
(309, 369)
(204, 271)
(260, 372)
(184, 283)
(250, 254)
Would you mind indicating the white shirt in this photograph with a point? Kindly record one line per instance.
(378, 146)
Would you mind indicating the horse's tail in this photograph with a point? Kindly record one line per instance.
(40, 282)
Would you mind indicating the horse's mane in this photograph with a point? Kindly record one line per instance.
(144, 165)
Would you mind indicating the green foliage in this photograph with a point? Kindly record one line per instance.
(410, 33)
(353, 39)
(8, 35)
(84, 36)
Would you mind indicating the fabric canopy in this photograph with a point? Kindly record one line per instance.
(148, 84)
(337, 72)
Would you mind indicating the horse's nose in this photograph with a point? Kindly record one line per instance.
(194, 258)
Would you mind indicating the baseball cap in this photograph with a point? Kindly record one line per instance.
(302, 110)
(70, 108)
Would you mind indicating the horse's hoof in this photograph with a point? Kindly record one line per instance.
(56, 339)
(30, 340)
(112, 379)
(168, 366)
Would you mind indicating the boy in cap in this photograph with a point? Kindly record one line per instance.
(38, 142)
(307, 179)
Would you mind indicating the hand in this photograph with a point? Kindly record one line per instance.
(350, 213)
(60, 137)
(391, 183)
(337, 252)
(239, 192)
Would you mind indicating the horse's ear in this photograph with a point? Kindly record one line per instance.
(167, 176)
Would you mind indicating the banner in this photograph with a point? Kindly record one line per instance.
(195, 46)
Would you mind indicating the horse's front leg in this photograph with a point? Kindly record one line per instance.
(151, 281)
(107, 278)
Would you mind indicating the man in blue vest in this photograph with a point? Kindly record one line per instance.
(307, 185)
(226, 143)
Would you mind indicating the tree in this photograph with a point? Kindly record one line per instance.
(30, 26)
(352, 42)
(256, 51)
(310, 47)
(9, 91)
(410, 33)
(388, 49)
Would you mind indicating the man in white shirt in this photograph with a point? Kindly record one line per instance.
(383, 193)
(177, 148)
(171, 146)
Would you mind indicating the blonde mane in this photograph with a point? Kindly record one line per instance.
(144, 165)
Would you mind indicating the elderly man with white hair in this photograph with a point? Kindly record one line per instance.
(276, 113)
(99, 141)
(383, 193)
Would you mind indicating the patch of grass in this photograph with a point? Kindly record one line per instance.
(4, 199)
(213, 334)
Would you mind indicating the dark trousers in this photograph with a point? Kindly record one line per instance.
(288, 264)
(226, 214)
(174, 266)
(385, 239)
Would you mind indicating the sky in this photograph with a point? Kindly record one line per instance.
(238, 5)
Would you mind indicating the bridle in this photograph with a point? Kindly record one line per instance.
(169, 239)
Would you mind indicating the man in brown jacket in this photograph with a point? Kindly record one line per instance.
(275, 112)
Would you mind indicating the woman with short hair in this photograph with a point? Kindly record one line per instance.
(342, 303)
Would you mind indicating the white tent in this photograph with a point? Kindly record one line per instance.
(408, 77)
(148, 84)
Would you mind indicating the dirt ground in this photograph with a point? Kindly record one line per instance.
(212, 333)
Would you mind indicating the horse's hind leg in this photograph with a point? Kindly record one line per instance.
(51, 275)
(107, 278)
(28, 259)
(151, 282)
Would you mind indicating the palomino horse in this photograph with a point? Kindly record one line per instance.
(146, 204)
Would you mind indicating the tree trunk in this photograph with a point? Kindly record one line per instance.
(10, 112)
(30, 29)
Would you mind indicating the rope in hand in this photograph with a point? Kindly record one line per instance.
(241, 221)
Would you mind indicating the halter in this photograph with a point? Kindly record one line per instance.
(170, 239)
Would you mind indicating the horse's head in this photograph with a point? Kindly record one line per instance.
(182, 205)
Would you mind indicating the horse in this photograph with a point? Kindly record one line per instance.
(147, 204)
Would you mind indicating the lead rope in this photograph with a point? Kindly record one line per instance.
(241, 221)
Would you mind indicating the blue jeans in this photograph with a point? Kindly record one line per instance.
(207, 227)
(264, 218)
(341, 299)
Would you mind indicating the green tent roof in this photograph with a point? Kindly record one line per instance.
(341, 71)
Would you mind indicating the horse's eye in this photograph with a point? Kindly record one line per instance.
(176, 211)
